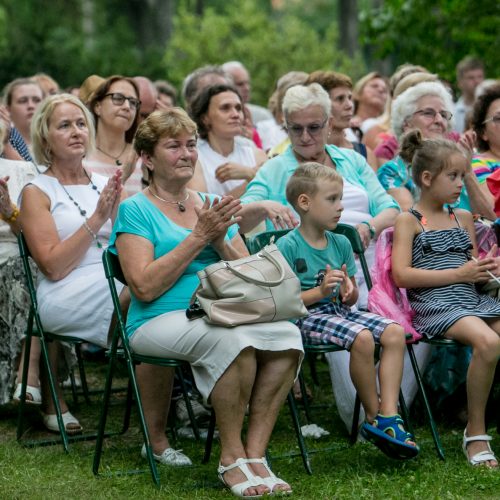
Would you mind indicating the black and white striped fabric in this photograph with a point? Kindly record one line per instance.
(437, 309)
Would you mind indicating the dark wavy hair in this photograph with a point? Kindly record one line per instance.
(200, 105)
(480, 110)
(101, 92)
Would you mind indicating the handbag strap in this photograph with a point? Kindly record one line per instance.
(264, 253)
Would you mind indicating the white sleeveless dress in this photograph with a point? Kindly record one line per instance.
(80, 304)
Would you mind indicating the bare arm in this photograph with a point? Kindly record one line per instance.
(480, 198)
(148, 278)
(56, 258)
(402, 196)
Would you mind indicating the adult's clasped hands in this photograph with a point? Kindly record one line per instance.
(215, 217)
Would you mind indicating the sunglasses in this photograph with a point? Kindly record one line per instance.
(118, 99)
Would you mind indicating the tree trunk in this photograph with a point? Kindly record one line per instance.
(348, 24)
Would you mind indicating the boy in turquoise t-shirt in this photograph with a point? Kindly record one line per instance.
(324, 263)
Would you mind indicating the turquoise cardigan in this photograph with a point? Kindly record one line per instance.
(271, 179)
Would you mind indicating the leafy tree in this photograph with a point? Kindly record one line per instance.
(269, 46)
(433, 33)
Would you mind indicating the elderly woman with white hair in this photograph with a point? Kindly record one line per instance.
(426, 106)
(307, 116)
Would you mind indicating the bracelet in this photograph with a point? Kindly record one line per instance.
(371, 228)
(94, 236)
(13, 216)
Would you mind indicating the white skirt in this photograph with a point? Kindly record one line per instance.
(210, 349)
(79, 305)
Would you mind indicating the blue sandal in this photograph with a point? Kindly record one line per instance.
(389, 435)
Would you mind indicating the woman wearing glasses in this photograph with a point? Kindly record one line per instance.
(115, 106)
(486, 125)
(426, 106)
(228, 160)
(307, 116)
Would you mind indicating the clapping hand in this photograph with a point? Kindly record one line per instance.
(346, 288)
(215, 218)
(108, 202)
(5, 201)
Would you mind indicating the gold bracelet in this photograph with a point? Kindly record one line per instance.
(13, 216)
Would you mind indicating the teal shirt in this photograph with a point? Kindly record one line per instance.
(271, 179)
(309, 263)
(137, 215)
(397, 174)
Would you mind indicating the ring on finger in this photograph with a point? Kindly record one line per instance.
(278, 218)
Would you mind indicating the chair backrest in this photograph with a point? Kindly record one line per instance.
(260, 240)
(113, 270)
(351, 233)
(25, 254)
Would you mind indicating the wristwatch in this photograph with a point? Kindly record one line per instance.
(371, 228)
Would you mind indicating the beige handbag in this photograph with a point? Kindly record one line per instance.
(255, 289)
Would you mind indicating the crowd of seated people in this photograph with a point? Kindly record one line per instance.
(172, 184)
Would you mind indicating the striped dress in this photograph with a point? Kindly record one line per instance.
(438, 308)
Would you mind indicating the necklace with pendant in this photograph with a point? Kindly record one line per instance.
(180, 204)
(83, 212)
(116, 158)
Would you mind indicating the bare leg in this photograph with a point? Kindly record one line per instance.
(155, 386)
(362, 371)
(390, 372)
(34, 364)
(275, 374)
(229, 398)
(485, 343)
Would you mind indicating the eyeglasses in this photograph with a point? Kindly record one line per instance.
(430, 114)
(118, 99)
(313, 129)
(495, 119)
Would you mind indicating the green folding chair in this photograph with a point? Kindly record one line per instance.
(120, 350)
(35, 329)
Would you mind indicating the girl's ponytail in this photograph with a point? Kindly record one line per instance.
(411, 142)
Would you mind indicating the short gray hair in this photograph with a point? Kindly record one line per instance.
(406, 104)
(230, 65)
(41, 121)
(300, 97)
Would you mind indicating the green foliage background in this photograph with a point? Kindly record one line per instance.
(49, 36)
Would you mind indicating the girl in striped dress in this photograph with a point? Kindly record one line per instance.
(435, 257)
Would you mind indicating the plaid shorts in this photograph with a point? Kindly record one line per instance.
(334, 323)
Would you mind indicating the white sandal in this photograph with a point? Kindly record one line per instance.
(240, 488)
(483, 456)
(272, 480)
(34, 392)
(50, 422)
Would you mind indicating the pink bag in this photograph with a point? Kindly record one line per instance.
(385, 298)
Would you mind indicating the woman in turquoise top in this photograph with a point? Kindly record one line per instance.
(307, 112)
(163, 236)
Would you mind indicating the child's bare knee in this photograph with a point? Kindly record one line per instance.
(393, 336)
(364, 343)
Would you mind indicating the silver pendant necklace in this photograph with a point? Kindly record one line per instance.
(180, 204)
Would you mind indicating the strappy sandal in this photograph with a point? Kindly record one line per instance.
(272, 480)
(34, 392)
(71, 424)
(389, 435)
(240, 488)
(483, 456)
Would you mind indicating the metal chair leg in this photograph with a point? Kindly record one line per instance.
(210, 438)
(418, 377)
(300, 438)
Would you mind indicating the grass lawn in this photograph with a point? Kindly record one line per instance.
(360, 471)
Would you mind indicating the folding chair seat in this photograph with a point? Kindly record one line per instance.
(120, 349)
(35, 329)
